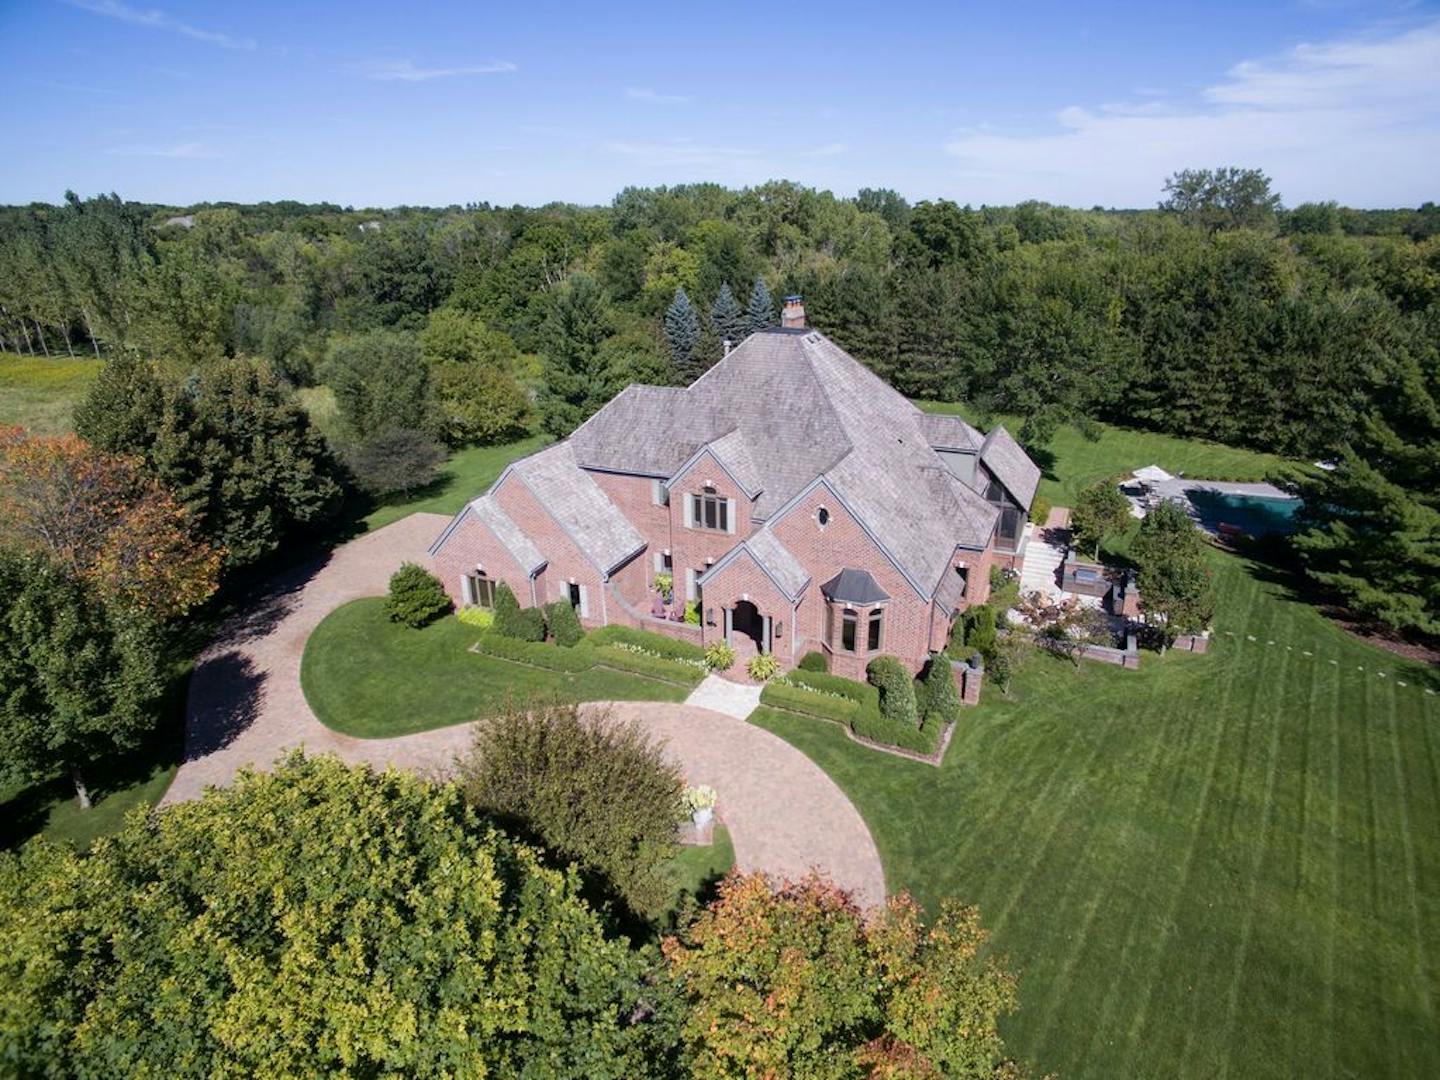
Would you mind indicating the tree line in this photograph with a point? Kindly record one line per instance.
(1219, 314)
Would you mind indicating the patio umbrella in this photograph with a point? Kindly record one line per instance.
(1151, 474)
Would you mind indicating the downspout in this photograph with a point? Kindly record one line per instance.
(604, 608)
(534, 602)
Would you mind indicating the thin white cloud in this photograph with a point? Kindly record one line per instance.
(155, 19)
(1356, 120)
(682, 151)
(643, 93)
(193, 151)
(406, 71)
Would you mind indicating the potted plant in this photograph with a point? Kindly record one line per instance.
(701, 801)
(664, 584)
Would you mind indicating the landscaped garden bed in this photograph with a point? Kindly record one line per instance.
(914, 727)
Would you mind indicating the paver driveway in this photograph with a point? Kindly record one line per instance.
(246, 707)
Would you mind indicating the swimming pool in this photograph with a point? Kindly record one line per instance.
(1254, 514)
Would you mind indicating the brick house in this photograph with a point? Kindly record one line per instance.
(799, 501)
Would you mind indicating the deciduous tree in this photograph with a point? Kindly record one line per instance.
(797, 982)
(1176, 590)
(1100, 512)
(316, 920)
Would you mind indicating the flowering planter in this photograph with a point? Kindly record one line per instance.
(702, 817)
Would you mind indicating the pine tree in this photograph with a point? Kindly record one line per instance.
(682, 331)
(760, 312)
(726, 318)
(577, 379)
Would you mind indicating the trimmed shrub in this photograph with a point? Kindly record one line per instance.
(535, 653)
(564, 624)
(876, 728)
(719, 656)
(1040, 510)
(692, 613)
(478, 617)
(784, 694)
(763, 667)
(942, 699)
(416, 596)
(507, 610)
(863, 694)
(602, 794)
(897, 690)
(980, 631)
(815, 661)
(638, 661)
(530, 624)
(656, 643)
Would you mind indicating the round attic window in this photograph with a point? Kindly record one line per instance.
(822, 516)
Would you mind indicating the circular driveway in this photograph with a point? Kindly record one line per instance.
(245, 707)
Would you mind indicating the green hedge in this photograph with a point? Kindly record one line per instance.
(536, 653)
(564, 624)
(814, 661)
(863, 694)
(897, 690)
(873, 726)
(797, 699)
(654, 666)
(658, 643)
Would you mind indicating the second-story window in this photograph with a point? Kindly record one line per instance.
(710, 512)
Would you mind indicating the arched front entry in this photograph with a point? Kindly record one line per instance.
(745, 618)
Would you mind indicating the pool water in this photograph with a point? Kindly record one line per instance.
(1254, 514)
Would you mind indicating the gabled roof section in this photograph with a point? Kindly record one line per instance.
(772, 557)
(946, 432)
(1009, 464)
(729, 450)
(854, 587)
(569, 495)
(508, 533)
(950, 593)
(644, 429)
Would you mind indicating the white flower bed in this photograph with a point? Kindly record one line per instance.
(640, 650)
(785, 680)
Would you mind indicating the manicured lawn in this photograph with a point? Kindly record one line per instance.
(367, 676)
(1217, 865)
(1074, 461)
(40, 393)
(696, 870)
(466, 475)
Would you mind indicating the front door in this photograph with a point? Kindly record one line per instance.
(745, 618)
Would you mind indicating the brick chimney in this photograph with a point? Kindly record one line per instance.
(793, 315)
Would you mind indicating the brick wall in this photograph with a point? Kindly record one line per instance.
(472, 544)
(743, 580)
(841, 543)
(565, 561)
(696, 549)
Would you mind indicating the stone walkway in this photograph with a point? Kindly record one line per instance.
(785, 815)
(724, 696)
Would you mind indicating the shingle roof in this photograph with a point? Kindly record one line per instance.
(950, 592)
(946, 432)
(1003, 456)
(786, 408)
(644, 429)
(771, 556)
(854, 587)
(508, 533)
(568, 493)
(775, 558)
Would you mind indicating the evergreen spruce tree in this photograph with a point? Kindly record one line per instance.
(578, 379)
(760, 312)
(682, 332)
(726, 318)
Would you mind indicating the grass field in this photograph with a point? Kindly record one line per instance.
(367, 676)
(40, 393)
(465, 476)
(1072, 461)
(1217, 865)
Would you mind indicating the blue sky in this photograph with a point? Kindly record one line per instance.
(381, 104)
